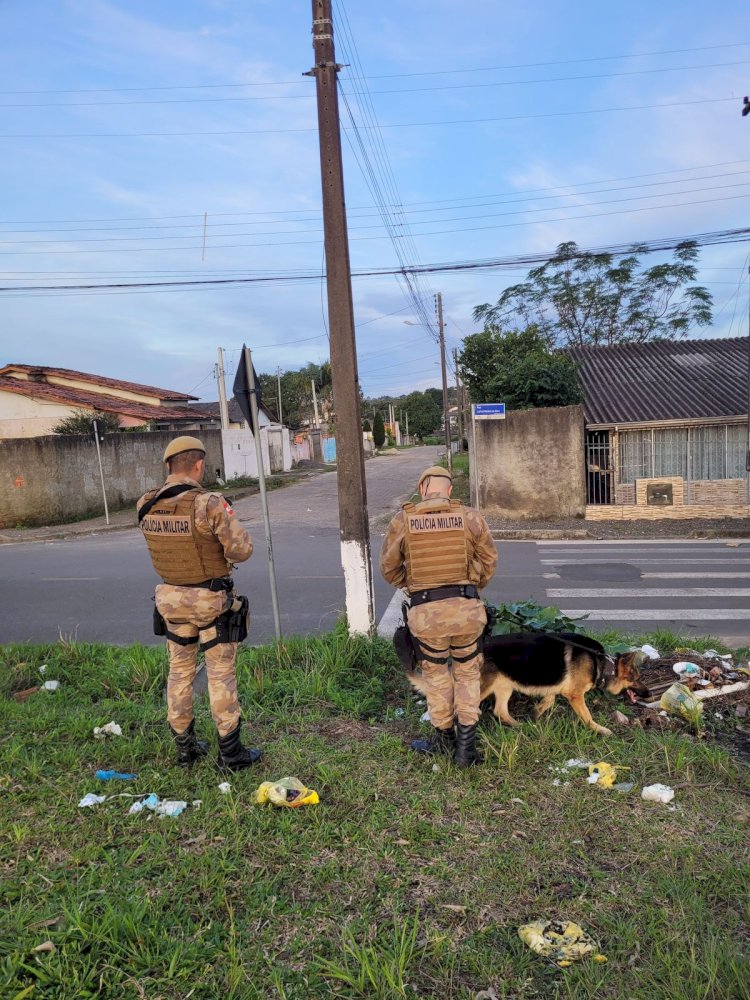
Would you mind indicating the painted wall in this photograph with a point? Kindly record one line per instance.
(50, 480)
(22, 417)
(530, 465)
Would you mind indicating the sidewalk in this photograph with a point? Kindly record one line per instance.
(572, 528)
(120, 520)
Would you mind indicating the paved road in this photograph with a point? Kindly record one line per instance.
(98, 587)
(691, 586)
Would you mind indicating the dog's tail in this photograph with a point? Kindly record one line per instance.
(417, 682)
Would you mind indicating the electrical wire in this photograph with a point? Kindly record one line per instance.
(390, 76)
(409, 90)
(289, 131)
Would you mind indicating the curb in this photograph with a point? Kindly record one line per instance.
(541, 534)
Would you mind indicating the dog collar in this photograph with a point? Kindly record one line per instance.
(606, 670)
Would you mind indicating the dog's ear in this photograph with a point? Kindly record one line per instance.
(629, 665)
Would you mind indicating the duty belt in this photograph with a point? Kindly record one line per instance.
(217, 584)
(467, 590)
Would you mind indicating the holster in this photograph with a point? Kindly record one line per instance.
(231, 626)
(406, 646)
(160, 626)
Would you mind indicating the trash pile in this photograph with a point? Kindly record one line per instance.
(562, 941)
(705, 675)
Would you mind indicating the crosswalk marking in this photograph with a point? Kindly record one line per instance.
(647, 592)
(652, 573)
(703, 575)
(652, 615)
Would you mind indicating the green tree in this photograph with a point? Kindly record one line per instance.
(81, 422)
(518, 369)
(425, 415)
(582, 298)
(366, 425)
(378, 431)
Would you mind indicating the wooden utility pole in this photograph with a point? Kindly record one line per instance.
(446, 412)
(223, 405)
(354, 526)
(459, 403)
(315, 402)
(278, 382)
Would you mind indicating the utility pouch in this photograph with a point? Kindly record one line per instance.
(160, 626)
(404, 643)
(232, 625)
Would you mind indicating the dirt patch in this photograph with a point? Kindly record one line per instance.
(338, 731)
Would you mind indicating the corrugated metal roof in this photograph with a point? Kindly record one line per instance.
(664, 380)
(112, 383)
(94, 400)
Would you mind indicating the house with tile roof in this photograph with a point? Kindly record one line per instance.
(666, 428)
(34, 398)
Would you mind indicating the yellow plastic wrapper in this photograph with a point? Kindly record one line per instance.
(680, 700)
(560, 940)
(604, 774)
(289, 792)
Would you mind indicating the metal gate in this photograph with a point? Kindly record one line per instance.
(276, 449)
(599, 471)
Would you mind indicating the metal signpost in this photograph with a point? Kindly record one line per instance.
(482, 411)
(247, 393)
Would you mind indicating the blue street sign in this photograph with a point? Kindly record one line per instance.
(488, 411)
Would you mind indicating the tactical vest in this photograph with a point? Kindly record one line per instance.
(437, 544)
(180, 555)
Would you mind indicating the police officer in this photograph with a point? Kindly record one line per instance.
(193, 539)
(442, 554)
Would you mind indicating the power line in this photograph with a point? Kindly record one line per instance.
(289, 131)
(424, 222)
(358, 208)
(716, 238)
(408, 90)
(410, 270)
(389, 76)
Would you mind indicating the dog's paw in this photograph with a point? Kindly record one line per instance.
(603, 731)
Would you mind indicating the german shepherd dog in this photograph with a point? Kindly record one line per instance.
(546, 665)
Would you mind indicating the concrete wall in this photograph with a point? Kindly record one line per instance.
(49, 480)
(530, 465)
(239, 451)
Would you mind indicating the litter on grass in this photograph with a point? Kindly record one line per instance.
(287, 792)
(162, 807)
(51, 685)
(658, 793)
(111, 729)
(225, 788)
(680, 700)
(562, 941)
(651, 653)
(91, 800)
(115, 775)
(604, 774)
(687, 669)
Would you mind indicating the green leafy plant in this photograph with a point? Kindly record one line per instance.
(528, 616)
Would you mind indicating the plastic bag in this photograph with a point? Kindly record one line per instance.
(288, 792)
(680, 700)
(561, 940)
(604, 774)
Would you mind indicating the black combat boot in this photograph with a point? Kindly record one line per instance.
(442, 741)
(232, 755)
(189, 748)
(466, 753)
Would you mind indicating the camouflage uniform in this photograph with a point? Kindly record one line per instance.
(447, 628)
(189, 613)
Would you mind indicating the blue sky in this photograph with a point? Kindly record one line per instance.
(500, 134)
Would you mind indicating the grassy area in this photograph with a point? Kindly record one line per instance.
(461, 482)
(403, 882)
